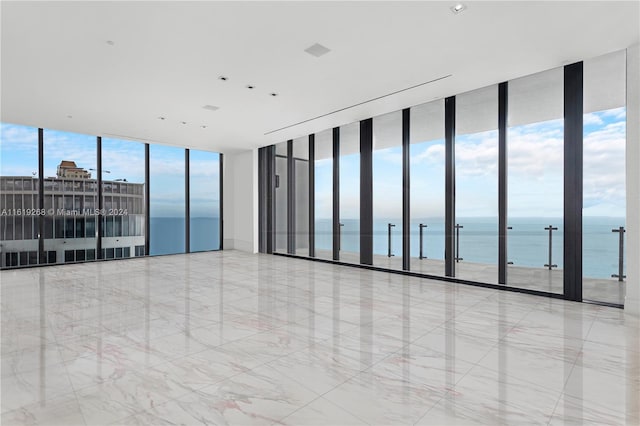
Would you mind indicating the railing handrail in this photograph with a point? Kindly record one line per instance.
(422, 226)
(389, 226)
(620, 275)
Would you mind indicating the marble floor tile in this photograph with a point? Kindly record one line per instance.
(321, 412)
(239, 339)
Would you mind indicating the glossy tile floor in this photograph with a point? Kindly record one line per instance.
(235, 338)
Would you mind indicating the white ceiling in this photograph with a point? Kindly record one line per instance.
(167, 57)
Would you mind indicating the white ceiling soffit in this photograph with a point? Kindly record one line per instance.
(115, 67)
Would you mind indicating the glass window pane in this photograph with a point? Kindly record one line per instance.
(301, 170)
(427, 187)
(350, 193)
(535, 158)
(604, 186)
(387, 190)
(281, 198)
(323, 200)
(204, 192)
(167, 200)
(70, 162)
(476, 180)
(18, 181)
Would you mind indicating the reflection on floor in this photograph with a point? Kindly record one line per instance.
(235, 338)
(541, 279)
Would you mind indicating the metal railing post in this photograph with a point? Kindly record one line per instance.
(389, 226)
(509, 228)
(340, 237)
(620, 275)
(550, 228)
(421, 226)
(458, 228)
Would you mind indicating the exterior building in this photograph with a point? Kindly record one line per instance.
(70, 216)
(69, 170)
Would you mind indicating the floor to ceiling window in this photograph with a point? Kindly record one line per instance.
(350, 193)
(604, 203)
(19, 203)
(167, 200)
(324, 194)
(70, 192)
(281, 188)
(503, 180)
(204, 200)
(63, 215)
(301, 194)
(476, 185)
(387, 190)
(427, 174)
(123, 191)
(535, 181)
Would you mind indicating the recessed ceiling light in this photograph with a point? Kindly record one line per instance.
(69, 116)
(317, 50)
(458, 8)
(250, 86)
(273, 94)
(211, 107)
(204, 127)
(183, 122)
(223, 78)
(110, 42)
(161, 118)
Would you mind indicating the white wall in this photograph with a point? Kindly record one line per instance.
(632, 300)
(240, 199)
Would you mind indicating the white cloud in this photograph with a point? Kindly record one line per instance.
(592, 119)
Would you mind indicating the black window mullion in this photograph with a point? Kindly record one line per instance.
(266, 194)
(336, 193)
(312, 198)
(41, 252)
(100, 216)
(187, 204)
(366, 192)
(450, 185)
(221, 192)
(503, 99)
(573, 171)
(291, 200)
(147, 203)
(406, 192)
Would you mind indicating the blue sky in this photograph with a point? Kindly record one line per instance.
(535, 155)
(123, 160)
(535, 173)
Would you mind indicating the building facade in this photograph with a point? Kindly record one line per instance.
(70, 218)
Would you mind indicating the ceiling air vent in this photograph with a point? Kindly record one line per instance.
(317, 50)
(211, 107)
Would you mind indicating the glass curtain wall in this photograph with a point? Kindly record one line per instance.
(387, 190)
(427, 173)
(123, 192)
(604, 189)
(70, 195)
(280, 199)
(476, 191)
(324, 194)
(19, 204)
(204, 200)
(301, 194)
(535, 163)
(350, 193)
(70, 213)
(167, 199)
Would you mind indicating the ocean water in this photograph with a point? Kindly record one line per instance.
(528, 241)
(167, 234)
